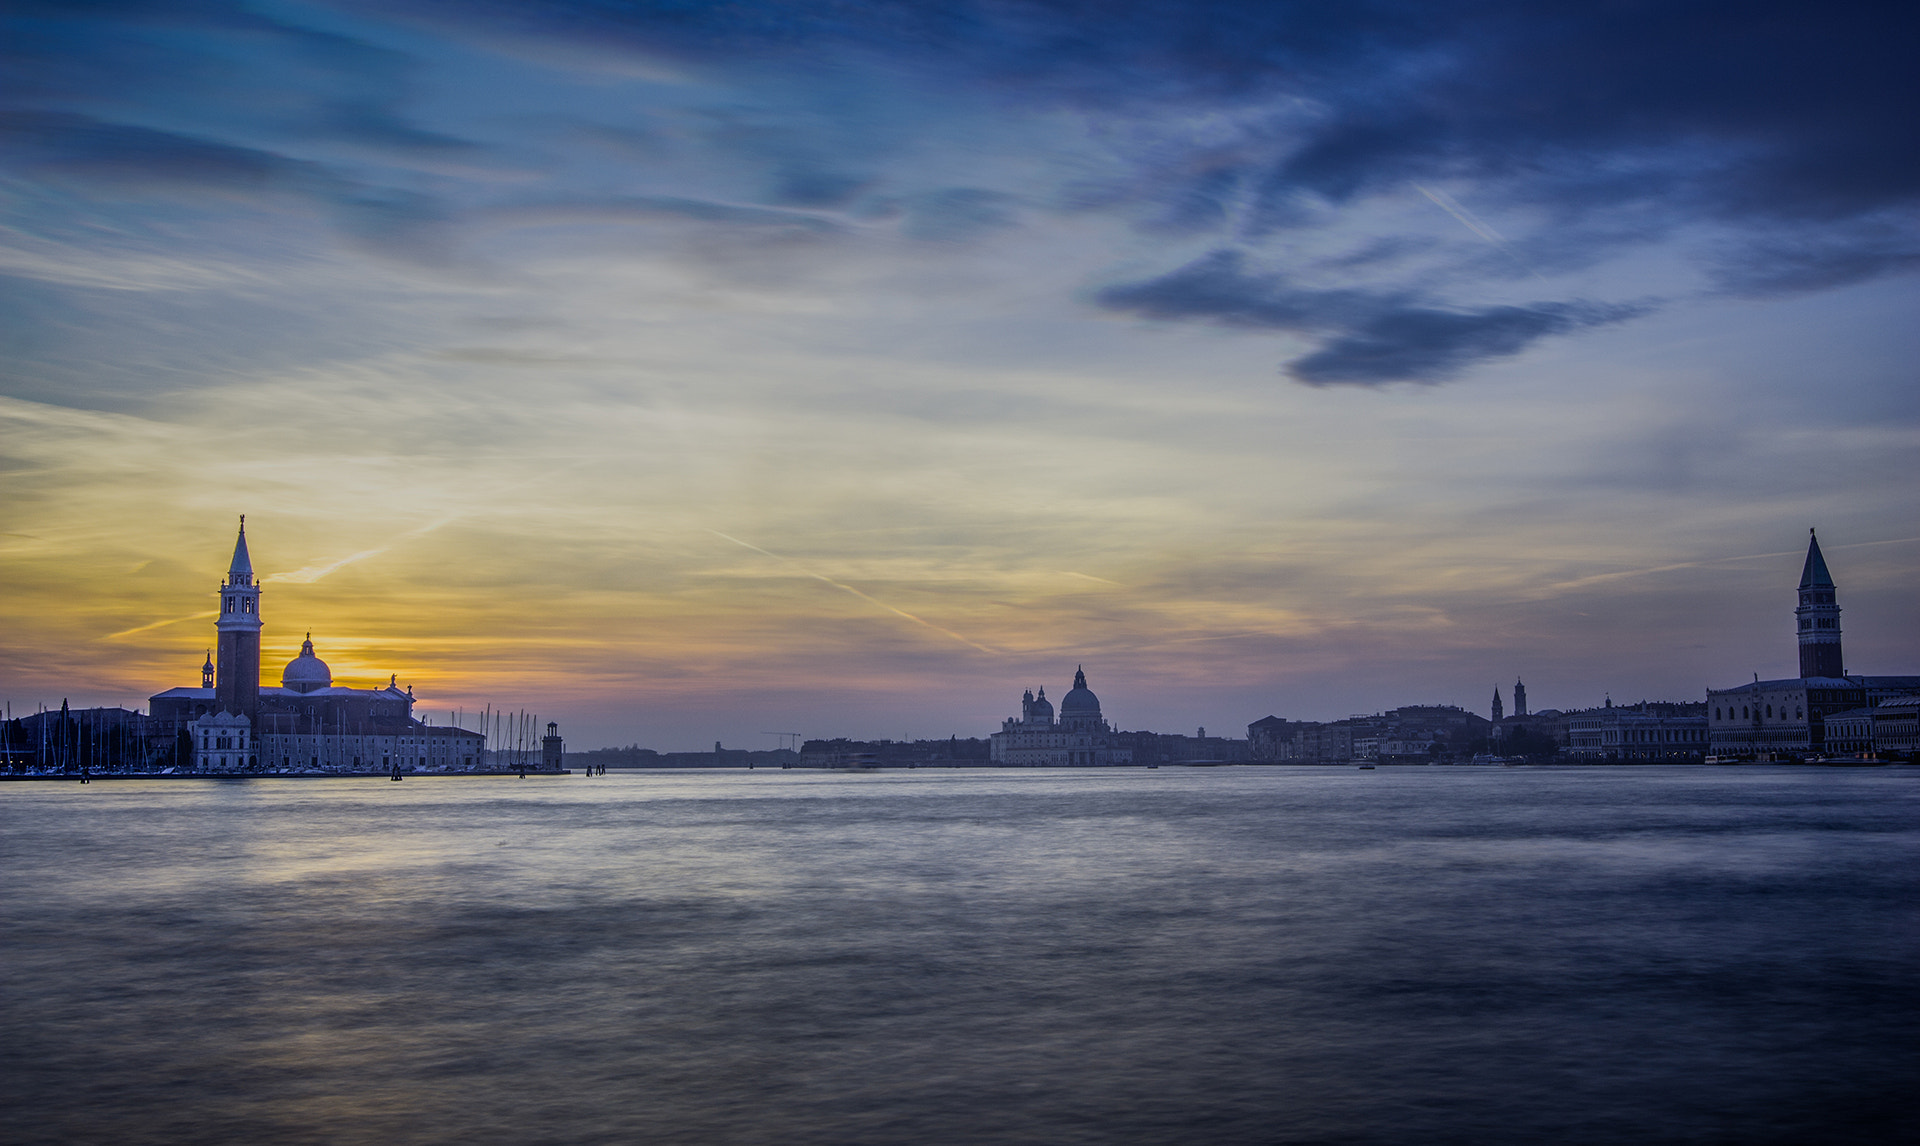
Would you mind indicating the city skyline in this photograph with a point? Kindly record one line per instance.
(779, 367)
(245, 607)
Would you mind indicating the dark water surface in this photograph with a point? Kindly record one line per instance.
(1232, 955)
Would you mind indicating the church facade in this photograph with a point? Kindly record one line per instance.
(1787, 718)
(1080, 737)
(307, 723)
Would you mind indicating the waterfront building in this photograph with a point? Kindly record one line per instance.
(1547, 726)
(308, 722)
(1081, 737)
(1411, 732)
(1885, 730)
(1650, 730)
(1787, 718)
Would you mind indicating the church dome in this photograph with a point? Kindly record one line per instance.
(306, 672)
(1080, 701)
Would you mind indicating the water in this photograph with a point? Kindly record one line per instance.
(1232, 955)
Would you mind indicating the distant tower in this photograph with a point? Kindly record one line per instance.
(1499, 710)
(1819, 617)
(207, 671)
(553, 750)
(237, 676)
(1519, 699)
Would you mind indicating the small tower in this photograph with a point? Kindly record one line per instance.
(1818, 617)
(237, 673)
(207, 671)
(1519, 699)
(1499, 710)
(553, 749)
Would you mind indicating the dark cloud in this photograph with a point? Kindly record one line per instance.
(1421, 344)
(130, 160)
(1742, 111)
(1794, 264)
(214, 61)
(87, 150)
(1367, 338)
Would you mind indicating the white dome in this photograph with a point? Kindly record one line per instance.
(306, 672)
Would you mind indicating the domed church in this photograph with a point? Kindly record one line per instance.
(1080, 738)
(308, 723)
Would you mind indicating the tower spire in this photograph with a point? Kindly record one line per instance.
(242, 562)
(237, 668)
(1818, 616)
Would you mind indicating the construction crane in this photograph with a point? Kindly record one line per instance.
(784, 736)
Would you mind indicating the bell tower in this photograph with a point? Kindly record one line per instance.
(1818, 617)
(236, 686)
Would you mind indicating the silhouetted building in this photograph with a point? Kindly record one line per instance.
(1081, 737)
(1819, 617)
(1650, 730)
(1773, 719)
(308, 722)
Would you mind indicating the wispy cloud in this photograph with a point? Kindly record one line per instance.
(846, 588)
(149, 627)
(307, 575)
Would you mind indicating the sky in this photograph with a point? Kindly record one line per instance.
(695, 372)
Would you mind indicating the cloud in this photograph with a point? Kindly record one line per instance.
(1421, 344)
(640, 209)
(1793, 264)
(1703, 110)
(1368, 338)
(132, 160)
(954, 214)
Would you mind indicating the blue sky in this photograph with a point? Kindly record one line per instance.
(688, 371)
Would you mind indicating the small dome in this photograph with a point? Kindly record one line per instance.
(306, 672)
(1080, 701)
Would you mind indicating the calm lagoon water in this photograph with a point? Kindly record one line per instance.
(1232, 955)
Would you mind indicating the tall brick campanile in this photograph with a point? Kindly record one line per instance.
(236, 685)
(1819, 617)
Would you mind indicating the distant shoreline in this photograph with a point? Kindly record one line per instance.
(72, 777)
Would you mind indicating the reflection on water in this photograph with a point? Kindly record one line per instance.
(1289, 955)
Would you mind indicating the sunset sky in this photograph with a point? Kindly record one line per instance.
(693, 371)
